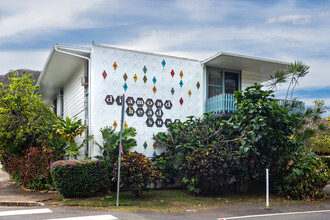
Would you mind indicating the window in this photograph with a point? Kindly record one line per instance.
(222, 81)
(231, 82)
(215, 83)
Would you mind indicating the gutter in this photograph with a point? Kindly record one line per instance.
(87, 149)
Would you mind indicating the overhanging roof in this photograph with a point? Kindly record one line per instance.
(240, 62)
(58, 69)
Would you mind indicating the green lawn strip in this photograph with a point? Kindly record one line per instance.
(173, 201)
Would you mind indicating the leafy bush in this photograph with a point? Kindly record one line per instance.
(207, 169)
(320, 144)
(168, 166)
(305, 177)
(111, 139)
(266, 132)
(33, 169)
(326, 160)
(137, 173)
(25, 120)
(70, 129)
(80, 178)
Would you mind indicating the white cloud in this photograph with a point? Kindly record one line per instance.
(293, 19)
(34, 17)
(12, 60)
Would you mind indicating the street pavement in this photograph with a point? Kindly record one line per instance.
(19, 204)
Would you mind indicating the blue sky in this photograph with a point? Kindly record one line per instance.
(284, 30)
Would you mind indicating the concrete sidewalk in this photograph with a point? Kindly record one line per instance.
(11, 195)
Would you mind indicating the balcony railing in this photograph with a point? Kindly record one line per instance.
(224, 104)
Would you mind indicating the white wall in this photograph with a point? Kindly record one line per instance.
(132, 62)
(73, 101)
(249, 78)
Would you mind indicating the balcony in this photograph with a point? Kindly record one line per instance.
(224, 104)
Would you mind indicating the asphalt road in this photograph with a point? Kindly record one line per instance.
(46, 212)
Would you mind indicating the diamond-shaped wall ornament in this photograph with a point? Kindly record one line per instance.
(172, 91)
(104, 74)
(125, 125)
(115, 124)
(145, 79)
(154, 145)
(181, 74)
(172, 73)
(125, 77)
(145, 69)
(154, 89)
(181, 83)
(189, 93)
(115, 65)
(198, 85)
(145, 145)
(125, 86)
(163, 63)
(154, 80)
(154, 154)
(135, 77)
(181, 101)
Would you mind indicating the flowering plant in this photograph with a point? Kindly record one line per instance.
(320, 144)
(69, 163)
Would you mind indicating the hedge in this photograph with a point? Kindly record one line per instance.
(80, 178)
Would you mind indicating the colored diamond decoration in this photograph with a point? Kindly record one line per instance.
(125, 86)
(115, 124)
(163, 63)
(145, 145)
(115, 65)
(135, 77)
(172, 73)
(154, 154)
(198, 85)
(125, 76)
(154, 80)
(181, 101)
(104, 74)
(154, 145)
(172, 91)
(154, 89)
(181, 74)
(189, 93)
(145, 79)
(125, 125)
(181, 83)
(145, 69)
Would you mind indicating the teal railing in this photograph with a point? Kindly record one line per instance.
(221, 104)
(224, 104)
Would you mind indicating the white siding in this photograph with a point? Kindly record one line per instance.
(249, 78)
(73, 101)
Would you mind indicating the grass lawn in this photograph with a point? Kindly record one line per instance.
(171, 201)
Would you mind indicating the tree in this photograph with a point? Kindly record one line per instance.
(25, 120)
(292, 74)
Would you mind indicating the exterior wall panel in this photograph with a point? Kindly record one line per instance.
(249, 78)
(158, 76)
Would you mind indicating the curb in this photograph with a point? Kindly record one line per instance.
(21, 204)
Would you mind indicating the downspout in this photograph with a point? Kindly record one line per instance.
(87, 149)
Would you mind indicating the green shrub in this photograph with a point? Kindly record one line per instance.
(137, 173)
(168, 166)
(326, 160)
(305, 177)
(207, 169)
(80, 178)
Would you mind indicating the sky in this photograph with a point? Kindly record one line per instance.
(283, 30)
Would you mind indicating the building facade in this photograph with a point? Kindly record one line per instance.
(88, 82)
